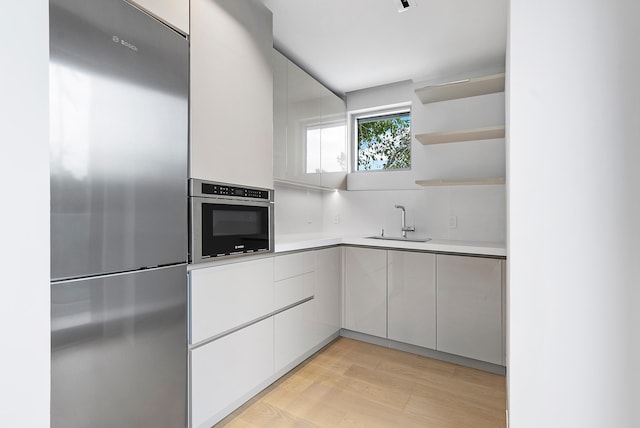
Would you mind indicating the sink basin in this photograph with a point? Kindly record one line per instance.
(399, 238)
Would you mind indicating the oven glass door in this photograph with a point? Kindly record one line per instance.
(230, 228)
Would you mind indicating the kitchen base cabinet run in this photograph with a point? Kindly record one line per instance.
(451, 305)
(228, 371)
(252, 321)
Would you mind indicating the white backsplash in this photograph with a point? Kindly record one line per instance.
(479, 212)
(298, 211)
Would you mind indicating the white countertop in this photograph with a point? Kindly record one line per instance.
(302, 242)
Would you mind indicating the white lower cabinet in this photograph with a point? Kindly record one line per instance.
(294, 334)
(226, 370)
(470, 307)
(365, 297)
(328, 291)
(452, 304)
(293, 290)
(412, 298)
(224, 297)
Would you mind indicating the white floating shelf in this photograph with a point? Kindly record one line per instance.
(463, 182)
(462, 135)
(461, 89)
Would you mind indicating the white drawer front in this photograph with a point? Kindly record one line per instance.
(291, 265)
(293, 290)
(224, 371)
(224, 297)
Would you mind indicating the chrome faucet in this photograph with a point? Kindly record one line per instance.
(403, 222)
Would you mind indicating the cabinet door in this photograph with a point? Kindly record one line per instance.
(328, 291)
(412, 298)
(173, 12)
(231, 92)
(365, 304)
(290, 265)
(224, 297)
(469, 308)
(333, 142)
(292, 290)
(294, 334)
(226, 370)
(280, 97)
(304, 114)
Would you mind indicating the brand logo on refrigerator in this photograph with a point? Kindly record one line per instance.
(118, 40)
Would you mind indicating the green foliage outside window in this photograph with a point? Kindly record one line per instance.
(384, 142)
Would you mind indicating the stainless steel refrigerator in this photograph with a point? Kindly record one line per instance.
(118, 130)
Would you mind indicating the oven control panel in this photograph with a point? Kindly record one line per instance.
(207, 188)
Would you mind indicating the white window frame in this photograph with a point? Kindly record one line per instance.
(354, 116)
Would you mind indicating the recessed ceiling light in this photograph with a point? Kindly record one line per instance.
(403, 5)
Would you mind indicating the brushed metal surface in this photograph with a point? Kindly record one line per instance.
(119, 350)
(119, 117)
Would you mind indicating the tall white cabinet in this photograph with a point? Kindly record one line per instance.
(231, 96)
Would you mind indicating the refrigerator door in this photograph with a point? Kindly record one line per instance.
(119, 350)
(118, 131)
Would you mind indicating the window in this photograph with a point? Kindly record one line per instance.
(326, 148)
(383, 140)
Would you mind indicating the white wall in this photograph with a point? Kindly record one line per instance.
(479, 212)
(298, 211)
(573, 229)
(24, 219)
(368, 207)
(443, 161)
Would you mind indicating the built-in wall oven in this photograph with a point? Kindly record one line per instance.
(229, 220)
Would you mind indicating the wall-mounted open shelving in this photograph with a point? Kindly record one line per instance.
(461, 89)
(455, 90)
(461, 182)
(461, 135)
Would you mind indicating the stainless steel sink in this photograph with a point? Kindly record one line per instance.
(398, 238)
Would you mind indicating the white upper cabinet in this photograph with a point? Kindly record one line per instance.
(173, 12)
(309, 129)
(231, 92)
(333, 142)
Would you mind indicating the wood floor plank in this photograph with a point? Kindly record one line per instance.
(352, 384)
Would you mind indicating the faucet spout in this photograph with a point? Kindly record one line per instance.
(403, 222)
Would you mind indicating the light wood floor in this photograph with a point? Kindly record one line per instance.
(356, 384)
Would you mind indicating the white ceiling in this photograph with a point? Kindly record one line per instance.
(357, 44)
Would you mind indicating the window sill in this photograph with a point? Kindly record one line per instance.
(382, 180)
